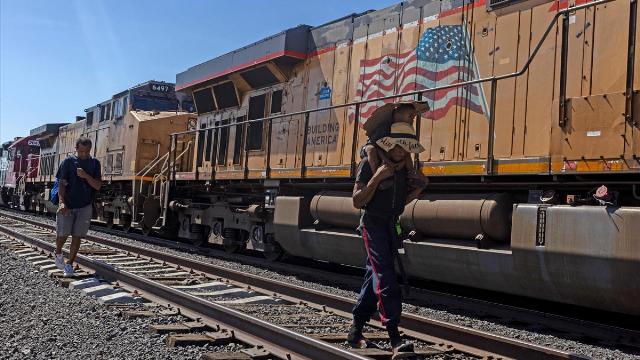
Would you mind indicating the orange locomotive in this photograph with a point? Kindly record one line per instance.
(532, 105)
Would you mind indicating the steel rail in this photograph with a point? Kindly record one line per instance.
(484, 341)
(276, 337)
(534, 316)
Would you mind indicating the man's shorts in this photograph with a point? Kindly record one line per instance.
(75, 223)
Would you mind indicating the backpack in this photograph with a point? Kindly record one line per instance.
(53, 195)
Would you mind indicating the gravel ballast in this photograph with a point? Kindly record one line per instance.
(309, 279)
(41, 320)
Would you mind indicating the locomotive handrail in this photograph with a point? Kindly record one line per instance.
(164, 188)
(156, 164)
(164, 166)
(173, 163)
(152, 164)
(493, 79)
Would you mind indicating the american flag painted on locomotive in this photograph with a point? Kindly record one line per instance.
(442, 57)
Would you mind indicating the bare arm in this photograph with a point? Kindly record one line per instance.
(372, 156)
(93, 182)
(415, 193)
(62, 190)
(362, 193)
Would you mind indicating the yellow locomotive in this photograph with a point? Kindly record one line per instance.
(129, 136)
(532, 105)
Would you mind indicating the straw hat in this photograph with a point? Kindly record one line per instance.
(401, 134)
(384, 114)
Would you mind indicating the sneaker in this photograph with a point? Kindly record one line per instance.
(60, 261)
(68, 270)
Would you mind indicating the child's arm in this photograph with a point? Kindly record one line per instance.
(372, 155)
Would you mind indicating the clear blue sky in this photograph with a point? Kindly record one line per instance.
(58, 57)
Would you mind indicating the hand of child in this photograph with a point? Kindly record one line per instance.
(384, 171)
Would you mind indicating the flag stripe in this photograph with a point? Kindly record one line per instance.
(440, 58)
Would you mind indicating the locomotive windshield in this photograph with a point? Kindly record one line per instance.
(154, 103)
(188, 106)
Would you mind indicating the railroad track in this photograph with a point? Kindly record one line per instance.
(604, 331)
(284, 319)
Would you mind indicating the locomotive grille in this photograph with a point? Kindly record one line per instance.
(541, 227)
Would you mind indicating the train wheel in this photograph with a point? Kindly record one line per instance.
(200, 233)
(233, 248)
(234, 240)
(146, 230)
(108, 219)
(125, 222)
(272, 250)
(200, 241)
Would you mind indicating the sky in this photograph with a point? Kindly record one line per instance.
(59, 57)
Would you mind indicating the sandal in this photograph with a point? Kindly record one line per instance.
(357, 341)
(403, 350)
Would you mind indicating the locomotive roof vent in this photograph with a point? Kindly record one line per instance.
(253, 66)
(51, 128)
(259, 77)
(497, 4)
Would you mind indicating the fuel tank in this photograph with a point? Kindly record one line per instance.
(451, 216)
(335, 208)
(460, 216)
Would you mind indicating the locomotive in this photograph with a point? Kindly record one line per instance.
(532, 106)
(22, 162)
(129, 136)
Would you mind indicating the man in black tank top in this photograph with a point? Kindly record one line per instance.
(383, 195)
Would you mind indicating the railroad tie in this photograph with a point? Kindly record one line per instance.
(215, 338)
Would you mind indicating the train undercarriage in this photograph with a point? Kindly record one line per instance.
(499, 236)
(549, 240)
